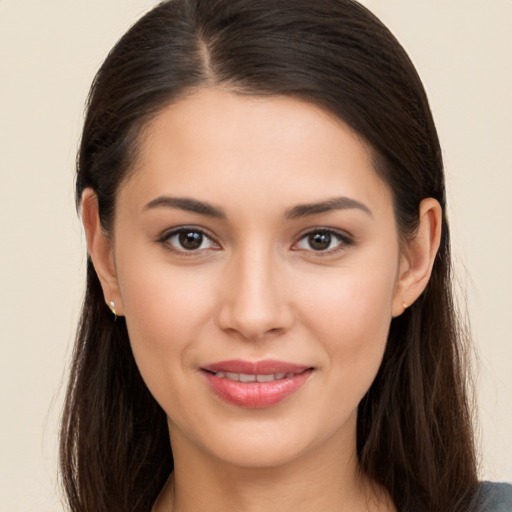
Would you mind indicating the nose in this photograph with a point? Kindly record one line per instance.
(254, 302)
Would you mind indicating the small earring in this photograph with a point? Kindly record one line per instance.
(405, 305)
(112, 306)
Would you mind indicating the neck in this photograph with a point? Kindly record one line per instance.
(315, 481)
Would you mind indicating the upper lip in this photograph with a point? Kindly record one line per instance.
(265, 367)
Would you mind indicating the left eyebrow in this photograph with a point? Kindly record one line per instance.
(186, 204)
(336, 203)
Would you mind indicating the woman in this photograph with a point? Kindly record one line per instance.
(262, 191)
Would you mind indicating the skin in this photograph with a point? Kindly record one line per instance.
(257, 289)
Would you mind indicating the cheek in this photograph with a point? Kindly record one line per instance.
(351, 316)
(351, 303)
(162, 300)
(165, 309)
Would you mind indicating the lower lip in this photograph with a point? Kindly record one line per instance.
(256, 395)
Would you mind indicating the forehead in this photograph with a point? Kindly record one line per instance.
(243, 122)
(218, 143)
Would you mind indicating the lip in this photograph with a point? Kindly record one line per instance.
(265, 367)
(256, 395)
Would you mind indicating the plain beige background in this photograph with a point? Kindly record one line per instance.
(49, 51)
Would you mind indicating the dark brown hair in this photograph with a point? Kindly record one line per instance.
(414, 434)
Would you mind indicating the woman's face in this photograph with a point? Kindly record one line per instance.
(255, 242)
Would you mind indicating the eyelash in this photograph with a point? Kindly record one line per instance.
(343, 240)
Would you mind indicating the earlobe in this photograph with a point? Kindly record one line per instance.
(418, 260)
(100, 249)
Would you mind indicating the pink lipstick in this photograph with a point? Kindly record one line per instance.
(255, 384)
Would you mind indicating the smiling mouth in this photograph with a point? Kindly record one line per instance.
(256, 385)
(250, 377)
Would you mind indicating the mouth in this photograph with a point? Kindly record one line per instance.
(250, 377)
(255, 385)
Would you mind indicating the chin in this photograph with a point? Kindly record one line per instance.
(270, 443)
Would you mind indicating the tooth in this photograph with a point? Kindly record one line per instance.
(245, 377)
(249, 377)
(265, 378)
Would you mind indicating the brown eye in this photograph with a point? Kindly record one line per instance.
(323, 241)
(188, 240)
(319, 241)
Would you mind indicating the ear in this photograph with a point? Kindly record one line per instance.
(100, 248)
(417, 259)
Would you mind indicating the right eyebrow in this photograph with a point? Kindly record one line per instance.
(186, 204)
(336, 203)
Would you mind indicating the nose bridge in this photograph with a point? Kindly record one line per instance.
(254, 302)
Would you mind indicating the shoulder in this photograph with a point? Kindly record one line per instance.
(494, 497)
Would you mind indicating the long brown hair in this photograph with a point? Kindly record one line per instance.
(414, 434)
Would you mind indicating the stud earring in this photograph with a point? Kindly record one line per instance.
(405, 305)
(112, 306)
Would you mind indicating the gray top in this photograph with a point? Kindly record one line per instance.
(494, 497)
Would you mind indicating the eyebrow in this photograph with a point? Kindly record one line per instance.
(336, 203)
(186, 204)
(301, 210)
